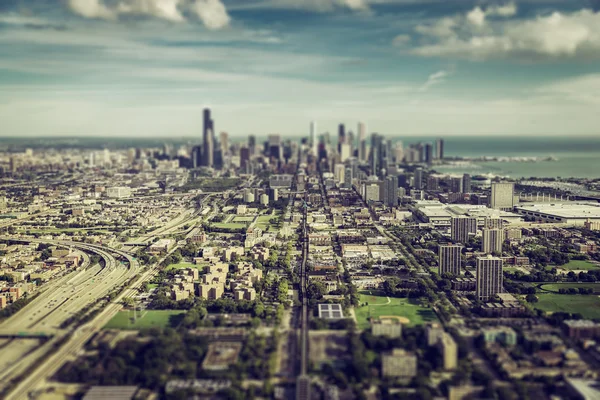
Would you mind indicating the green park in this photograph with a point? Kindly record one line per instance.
(144, 319)
(408, 311)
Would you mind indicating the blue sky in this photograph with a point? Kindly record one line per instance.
(405, 67)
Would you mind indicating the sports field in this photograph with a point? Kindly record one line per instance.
(575, 265)
(586, 305)
(554, 287)
(388, 306)
(145, 319)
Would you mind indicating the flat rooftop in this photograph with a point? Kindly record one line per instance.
(331, 311)
(564, 209)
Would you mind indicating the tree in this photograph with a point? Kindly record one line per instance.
(531, 298)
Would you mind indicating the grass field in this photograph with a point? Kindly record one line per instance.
(553, 287)
(146, 319)
(379, 305)
(579, 265)
(586, 305)
(181, 266)
(231, 225)
(264, 224)
(242, 219)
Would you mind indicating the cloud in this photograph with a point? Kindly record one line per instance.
(505, 10)
(92, 9)
(321, 6)
(212, 13)
(555, 36)
(401, 40)
(434, 79)
(476, 17)
(163, 9)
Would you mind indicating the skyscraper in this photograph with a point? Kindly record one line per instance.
(418, 179)
(377, 150)
(252, 144)
(439, 149)
(449, 259)
(362, 142)
(428, 153)
(207, 136)
(390, 195)
(313, 137)
(341, 137)
(489, 277)
(502, 197)
(348, 176)
(466, 185)
(462, 227)
(492, 240)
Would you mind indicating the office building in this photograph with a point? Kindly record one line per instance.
(493, 223)
(391, 191)
(502, 196)
(492, 240)
(362, 142)
(252, 145)
(439, 149)
(345, 151)
(313, 137)
(388, 327)
(274, 146)
(456, 185)
(428, 153)
(339, 171)
(466, 186)
(489, 277)
(449, 351)
(462, 227)
(348, 176)
(449, 259)
(207, 139)
(341, 137)
(418, 179)
(377, 152)
(398, 153)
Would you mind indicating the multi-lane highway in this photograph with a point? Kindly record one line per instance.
(59, 301)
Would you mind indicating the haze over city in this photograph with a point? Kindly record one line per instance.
(147, 67)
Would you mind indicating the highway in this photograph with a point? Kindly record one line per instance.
(59, 300)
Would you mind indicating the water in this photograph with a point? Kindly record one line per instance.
(578, 157)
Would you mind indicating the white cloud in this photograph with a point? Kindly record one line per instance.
(212, 13)
(91, 9)
(581, 89)
(401, 40)
(476, 17)
(434, 79)
(504, 10)
(559, 35)
(163, 9)
(310, 5)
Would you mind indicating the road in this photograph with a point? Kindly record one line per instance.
(303, 382)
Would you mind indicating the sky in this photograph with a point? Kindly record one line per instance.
(147, 68)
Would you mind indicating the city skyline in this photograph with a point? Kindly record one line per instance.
(148, 68)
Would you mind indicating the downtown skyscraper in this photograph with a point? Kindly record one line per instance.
(208, 140)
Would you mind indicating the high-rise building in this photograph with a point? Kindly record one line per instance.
(244, 158)
(502, 196)
(341, 137)
(428, 153)
(339, 172)
(390, 191)
(398, 153)
(197, 156)
(252, 145)
(492, 240)
(466, 185)
(418, 179)
(345, 151)
(449, 351)
(449, 259)
(439, 149)
(348, 176)
(313, 137)
(362, 141)
(207, 136)
(274, 144)
(456, 185)
(210, 150)
(462, 227)
(489, 277)
(493, 223)
(377, 150)
(224, 142)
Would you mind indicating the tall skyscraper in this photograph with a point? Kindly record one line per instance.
(502, 196)
(341, 137)
(390, 194)
(456, 185)
(462, 227)
(339, 171)
(439, 149)
(466, 185)
(345, 151)
(489, 277)
(449, 259)
(224, 142)
(252, 145)
(428, 153)
(492, 240)
(348, 176)
(274, 144)
(313, 137)
(418, 179)
(210, 150)
(377, 150)
(207, 136)
(362, 142)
